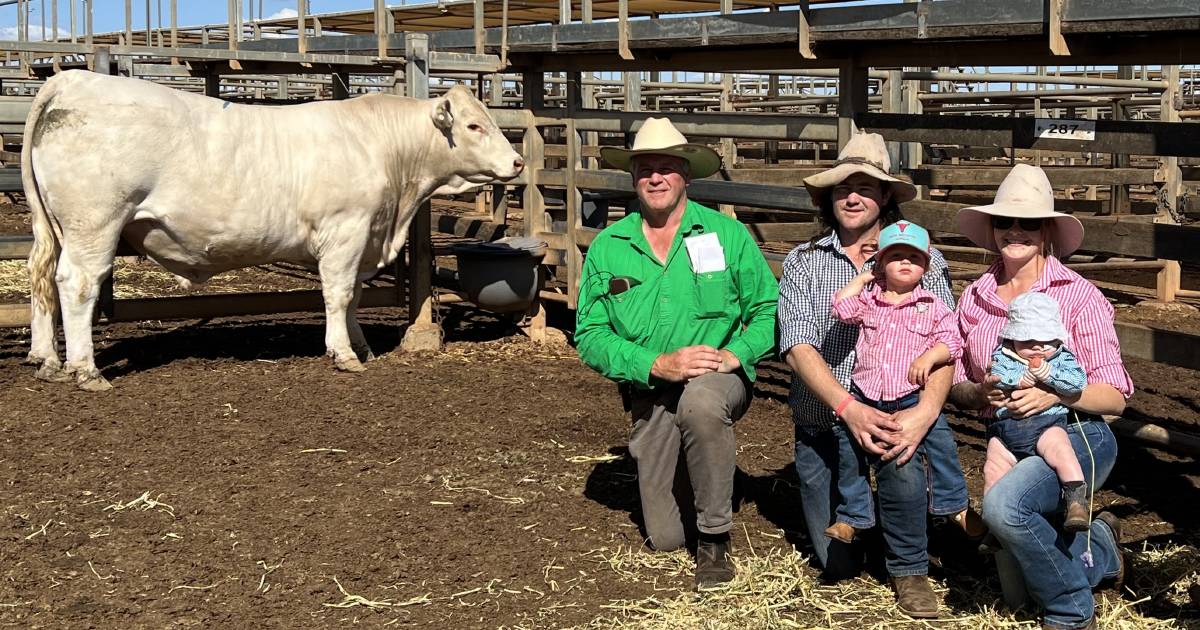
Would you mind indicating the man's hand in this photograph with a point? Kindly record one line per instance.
(915, 423)
(686, 363)
(870, 427)
(729, 362)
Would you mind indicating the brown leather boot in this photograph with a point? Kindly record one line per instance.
(713, 568)
(1076, 515)
(1114, 524)
(971, 523)
(915, 596)
(841, 532)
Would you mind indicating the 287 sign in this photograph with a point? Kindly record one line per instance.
(1064, 129)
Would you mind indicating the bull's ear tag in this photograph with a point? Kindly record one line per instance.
(442, 118)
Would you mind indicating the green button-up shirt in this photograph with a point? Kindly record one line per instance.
(669, 307)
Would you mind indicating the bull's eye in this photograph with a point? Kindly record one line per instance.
(474, 127)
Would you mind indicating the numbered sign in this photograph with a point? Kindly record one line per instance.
(1064, 129)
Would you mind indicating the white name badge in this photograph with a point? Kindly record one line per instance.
(705, 253)
(1064, 129)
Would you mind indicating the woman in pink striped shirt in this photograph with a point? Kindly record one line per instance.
(1059, 568)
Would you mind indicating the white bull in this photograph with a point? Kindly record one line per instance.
(203, 186)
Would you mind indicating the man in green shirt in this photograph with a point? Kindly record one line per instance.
(677, 305)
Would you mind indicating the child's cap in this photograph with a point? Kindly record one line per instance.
(1034, 317)
(903, 233)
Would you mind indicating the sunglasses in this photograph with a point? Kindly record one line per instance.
(1006, 223)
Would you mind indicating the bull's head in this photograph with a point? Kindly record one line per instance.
(479, 152)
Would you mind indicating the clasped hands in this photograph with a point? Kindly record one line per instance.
(687, 363)
(888, 435)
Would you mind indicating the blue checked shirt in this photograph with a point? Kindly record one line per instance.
(811, 275)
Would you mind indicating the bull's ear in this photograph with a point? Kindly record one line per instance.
(442, 118)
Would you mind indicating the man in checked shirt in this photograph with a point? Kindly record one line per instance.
(857, 198)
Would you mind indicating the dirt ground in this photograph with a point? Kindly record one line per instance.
(482, 487)
(233, 479)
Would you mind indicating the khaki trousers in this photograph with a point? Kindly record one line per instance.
(684, 446)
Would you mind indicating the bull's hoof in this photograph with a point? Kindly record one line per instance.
(33, 359)
(53, 373)
(364, 354)
(351, 364)
(95, 383)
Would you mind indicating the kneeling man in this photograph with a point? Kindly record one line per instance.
(677, 305)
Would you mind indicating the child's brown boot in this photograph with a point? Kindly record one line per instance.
(841, 532)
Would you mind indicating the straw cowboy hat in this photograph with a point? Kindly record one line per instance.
(660, 137)
(864, 153)
(1025, 193)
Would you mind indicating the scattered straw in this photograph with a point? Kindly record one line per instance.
(323, 450)
(349, 601)
(781, 590)
(41, 530)
(585, 459)
(142, 503)
(510, 500)
(98, 576)
(195, 588)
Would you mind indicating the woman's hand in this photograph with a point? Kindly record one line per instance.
(870, 427)
(1031, 401)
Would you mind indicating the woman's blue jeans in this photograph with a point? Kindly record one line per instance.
(1022, 511)
(903, 502)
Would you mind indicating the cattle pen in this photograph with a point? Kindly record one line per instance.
(1103, 95)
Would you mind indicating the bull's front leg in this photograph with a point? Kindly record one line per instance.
(339, 277)
(358, 341)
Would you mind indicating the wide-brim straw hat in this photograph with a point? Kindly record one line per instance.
(864, 153)
(1025, 193)
(658, 136)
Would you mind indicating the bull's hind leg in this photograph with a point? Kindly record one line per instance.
(339, 276)
(358, 341)
(43, 347)
(81, 270)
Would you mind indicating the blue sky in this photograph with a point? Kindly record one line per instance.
(110, 14)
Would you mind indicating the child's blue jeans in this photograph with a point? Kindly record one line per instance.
(946, 485)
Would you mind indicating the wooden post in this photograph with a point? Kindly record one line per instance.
(480, 30)
(301, 34)
(893, 102)
(423, 333)
(1118, 202)
(572, 196)
(1168, 170)
(1167, 284)
(233, 19)
(381, 29)
(852, 97)
(212, 85)
(533, 204)
(340, 84)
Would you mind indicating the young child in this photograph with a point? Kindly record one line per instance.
(1032, 352)
(905, 333)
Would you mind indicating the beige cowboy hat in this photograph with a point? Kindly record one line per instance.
(660, 137)
(1025, 193)
(864, 153)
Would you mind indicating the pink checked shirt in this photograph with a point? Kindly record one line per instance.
(891, 336)
(1085, 312)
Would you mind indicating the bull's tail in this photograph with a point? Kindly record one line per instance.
(43, 258)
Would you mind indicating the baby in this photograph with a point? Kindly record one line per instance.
(1032, 353)
(905, 333)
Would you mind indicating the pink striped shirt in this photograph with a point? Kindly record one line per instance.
(1085, 312)
(892, 336)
